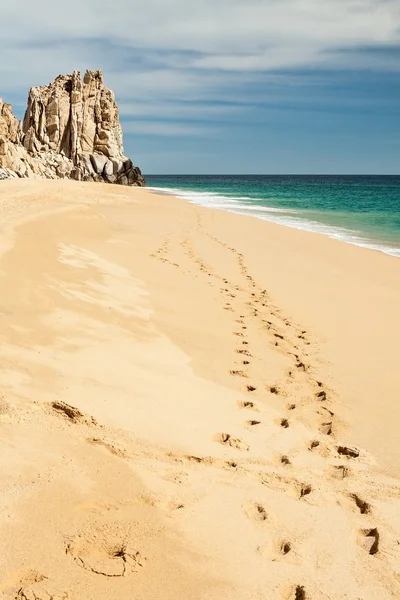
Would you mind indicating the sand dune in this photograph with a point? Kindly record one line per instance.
(193, 404)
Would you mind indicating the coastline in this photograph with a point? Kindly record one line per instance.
(337, 309)
(154, 319)
(305, 219)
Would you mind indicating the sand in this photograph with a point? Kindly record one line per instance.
(193, 404)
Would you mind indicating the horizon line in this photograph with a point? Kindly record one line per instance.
(271, 174)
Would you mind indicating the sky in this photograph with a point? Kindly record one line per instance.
(225, 86)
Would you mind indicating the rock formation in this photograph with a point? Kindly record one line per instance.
(71, 129)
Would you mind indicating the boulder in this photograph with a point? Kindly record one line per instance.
(108, 169)
(98, 162)
(117, 165)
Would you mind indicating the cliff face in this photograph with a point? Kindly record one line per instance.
(71, 129)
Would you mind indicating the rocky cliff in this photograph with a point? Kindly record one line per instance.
(71, 129)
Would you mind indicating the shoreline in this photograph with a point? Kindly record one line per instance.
(289, 218)
(355, 263)
(197, 398)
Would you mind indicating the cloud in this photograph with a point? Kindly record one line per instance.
(172, 129)
(207, 34)
(180, 109)
(190, 60)
(212, 27)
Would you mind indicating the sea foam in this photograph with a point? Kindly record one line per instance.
(244, 205)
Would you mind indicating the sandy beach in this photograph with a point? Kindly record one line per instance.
(193, 404)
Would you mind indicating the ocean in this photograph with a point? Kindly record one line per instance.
(358, 209)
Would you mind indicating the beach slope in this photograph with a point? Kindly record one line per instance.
(193, 404)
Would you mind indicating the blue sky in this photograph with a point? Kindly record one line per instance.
(226, 86)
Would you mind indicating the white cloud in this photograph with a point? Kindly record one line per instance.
(215, 27)
(195, 111)
(173, 129)
(156, 53)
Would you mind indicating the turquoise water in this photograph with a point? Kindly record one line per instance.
(362, 210)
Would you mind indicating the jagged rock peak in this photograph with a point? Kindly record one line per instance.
(71, 129)
(73, 118)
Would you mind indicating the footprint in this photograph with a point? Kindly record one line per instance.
(246, 404)
(361, 505)
(347, 451)
(284, 423)
(73, 414)
(244, 352)
(256, 512)
(284, 460)
(299, 593)
(369, 540)
(294, 593)
(285, 548)
(338, 471)
(274, 390)
(251, 423)
(29, 585)
(325, 410)
(326, 428)
(314, 444)
(226, 440)
(300, 365)
(238, 373)
(231, 464)
(38, 592)
(105, 550)
(251, 388)
(305, 490)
